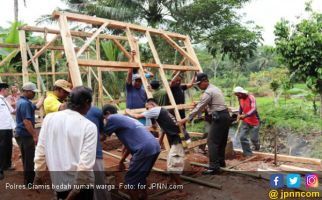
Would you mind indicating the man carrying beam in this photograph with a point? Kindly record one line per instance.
(218, 133)
(139, 142)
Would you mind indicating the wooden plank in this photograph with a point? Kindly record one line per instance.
(113, 24)
(187, 178)
(287, 158)
(90, 40)
(8, 57)
(190, 50)
(134, 46)
(17, 46)
(111, 69)
(32, 74)
(103, 63)
(73, 33)
(130, 65)
(179, 106)
(241, 162)
(35, 64)
(120, 46)
(179, 49)
(196, 143)
(69, 51)
(166, 85)
(24, 58)
(104, 89)
(43, 49)
(99, 73)
(53, 65)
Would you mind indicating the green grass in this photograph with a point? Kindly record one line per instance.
(295, 115)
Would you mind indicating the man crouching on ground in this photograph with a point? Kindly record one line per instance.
(139, 142)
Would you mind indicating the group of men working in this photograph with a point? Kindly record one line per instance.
(69, 140)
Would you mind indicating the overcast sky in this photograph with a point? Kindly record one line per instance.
(263, 12)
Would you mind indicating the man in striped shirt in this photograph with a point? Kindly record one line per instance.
(250, 120)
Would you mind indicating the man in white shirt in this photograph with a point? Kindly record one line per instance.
(67, 147)
(7, 124)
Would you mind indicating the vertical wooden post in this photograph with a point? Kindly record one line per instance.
(53, 65)
(38, 79)
(99, 73)
(89, 74)
(164, 81)
(69, 51)
(24, 58)
(134, 46)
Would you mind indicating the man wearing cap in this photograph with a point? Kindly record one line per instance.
(250, 120)
(26, 135)
(219, 128)
(54, 100)
(135, 93)
(7, 124)
(160, 95)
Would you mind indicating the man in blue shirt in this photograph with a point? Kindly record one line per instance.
(95, 115)
(26, 135)
(139, 142)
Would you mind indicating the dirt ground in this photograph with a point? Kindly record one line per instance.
(234, 186)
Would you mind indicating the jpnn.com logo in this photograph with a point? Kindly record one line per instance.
(277, 181)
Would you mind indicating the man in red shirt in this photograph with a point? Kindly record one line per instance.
(250, 120)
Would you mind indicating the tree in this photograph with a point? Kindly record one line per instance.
(300, 46)
(16, 8)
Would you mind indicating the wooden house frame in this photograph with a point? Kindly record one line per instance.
(76, 61)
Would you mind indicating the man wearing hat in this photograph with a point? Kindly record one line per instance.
(219, 128)
(26, 135)
(55, 100)
(250, 120)
(7, 124)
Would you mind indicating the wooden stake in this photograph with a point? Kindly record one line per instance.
(23, 52)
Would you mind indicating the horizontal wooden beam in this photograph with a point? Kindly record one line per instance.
(179, 106)
(17, 46)
(114, 24)
(102, 63)
(33, 74)
(73, 33)
(287, 157)
(129, 65)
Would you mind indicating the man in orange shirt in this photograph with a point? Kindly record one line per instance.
(250, 120)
